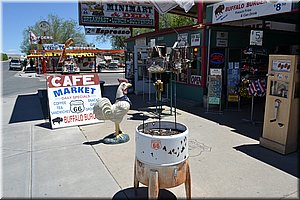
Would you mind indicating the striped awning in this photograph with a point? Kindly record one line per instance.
(34, 55)
(59, 54)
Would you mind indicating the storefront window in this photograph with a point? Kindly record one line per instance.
(129, 65)
(192, 74)
(142, 65)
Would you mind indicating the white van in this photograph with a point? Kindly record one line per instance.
(15, 64)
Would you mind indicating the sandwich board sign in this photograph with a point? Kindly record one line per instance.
(71, 99)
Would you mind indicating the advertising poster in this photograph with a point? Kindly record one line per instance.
(182, 40)
(195, 39)
(238, 10)
(233, 80)
(281, 65)
(214, 89)
(256, 37)
(71, 99)
(195, 80)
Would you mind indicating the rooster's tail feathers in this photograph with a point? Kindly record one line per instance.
(102, 109)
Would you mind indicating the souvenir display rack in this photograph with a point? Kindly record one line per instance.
(253, 75)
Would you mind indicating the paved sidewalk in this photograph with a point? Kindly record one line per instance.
(72, 162)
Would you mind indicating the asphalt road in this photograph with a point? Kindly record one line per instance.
(13, 84)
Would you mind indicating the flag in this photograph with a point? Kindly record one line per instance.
(164, 6)
(257, 87)
(33, 38)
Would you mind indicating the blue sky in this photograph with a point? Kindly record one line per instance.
(18, 15)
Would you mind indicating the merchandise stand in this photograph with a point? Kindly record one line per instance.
(256, 88)
(281, 120)
(251, 113)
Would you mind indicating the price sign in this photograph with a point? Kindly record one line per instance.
(256, 37)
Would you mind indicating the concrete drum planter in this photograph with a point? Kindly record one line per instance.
(162, 157)
(161, 150)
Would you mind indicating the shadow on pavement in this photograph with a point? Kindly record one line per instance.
(238, 120)
(101, 141)
(287, 163)
(27, 108)
(45, 125)
(240, 123)
(142, 193)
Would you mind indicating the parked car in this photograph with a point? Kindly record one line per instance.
(101, 65)
(15, 64)
(113, 65)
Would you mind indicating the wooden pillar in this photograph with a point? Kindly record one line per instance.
(204, 57)
(131, 31)
(200, 11)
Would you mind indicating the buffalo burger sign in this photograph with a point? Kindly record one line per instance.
(72, 98)
(116, 13)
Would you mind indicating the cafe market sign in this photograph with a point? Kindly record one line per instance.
(116, 13)
(72, 98)
(238, 10)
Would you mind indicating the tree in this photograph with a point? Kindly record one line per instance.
(4, 57)
(167, 20)
(60, 30)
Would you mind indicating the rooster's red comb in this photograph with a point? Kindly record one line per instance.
(122, 80)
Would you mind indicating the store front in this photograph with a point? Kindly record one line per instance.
(86, 58)
(189, 82)
(226, 57)
(48, 59)
(240, 49)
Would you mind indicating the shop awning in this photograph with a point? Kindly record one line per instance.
(58, 54)
(34, 55)
(81, 54)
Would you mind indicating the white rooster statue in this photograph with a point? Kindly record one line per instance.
(104, 110)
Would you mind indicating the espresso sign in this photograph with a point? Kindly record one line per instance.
(120, 31)
(116, 13)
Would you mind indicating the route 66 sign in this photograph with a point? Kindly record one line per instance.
(44, 26)
(77, 106)
(155, 144)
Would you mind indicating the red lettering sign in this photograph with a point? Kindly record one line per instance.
(72, 80)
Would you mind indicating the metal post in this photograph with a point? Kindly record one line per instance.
(252, 104)
(171, 95)
(149, 81)
(175, 99)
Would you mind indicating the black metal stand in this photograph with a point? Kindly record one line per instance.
(251, 114)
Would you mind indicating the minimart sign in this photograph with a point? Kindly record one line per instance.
(116, 13)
